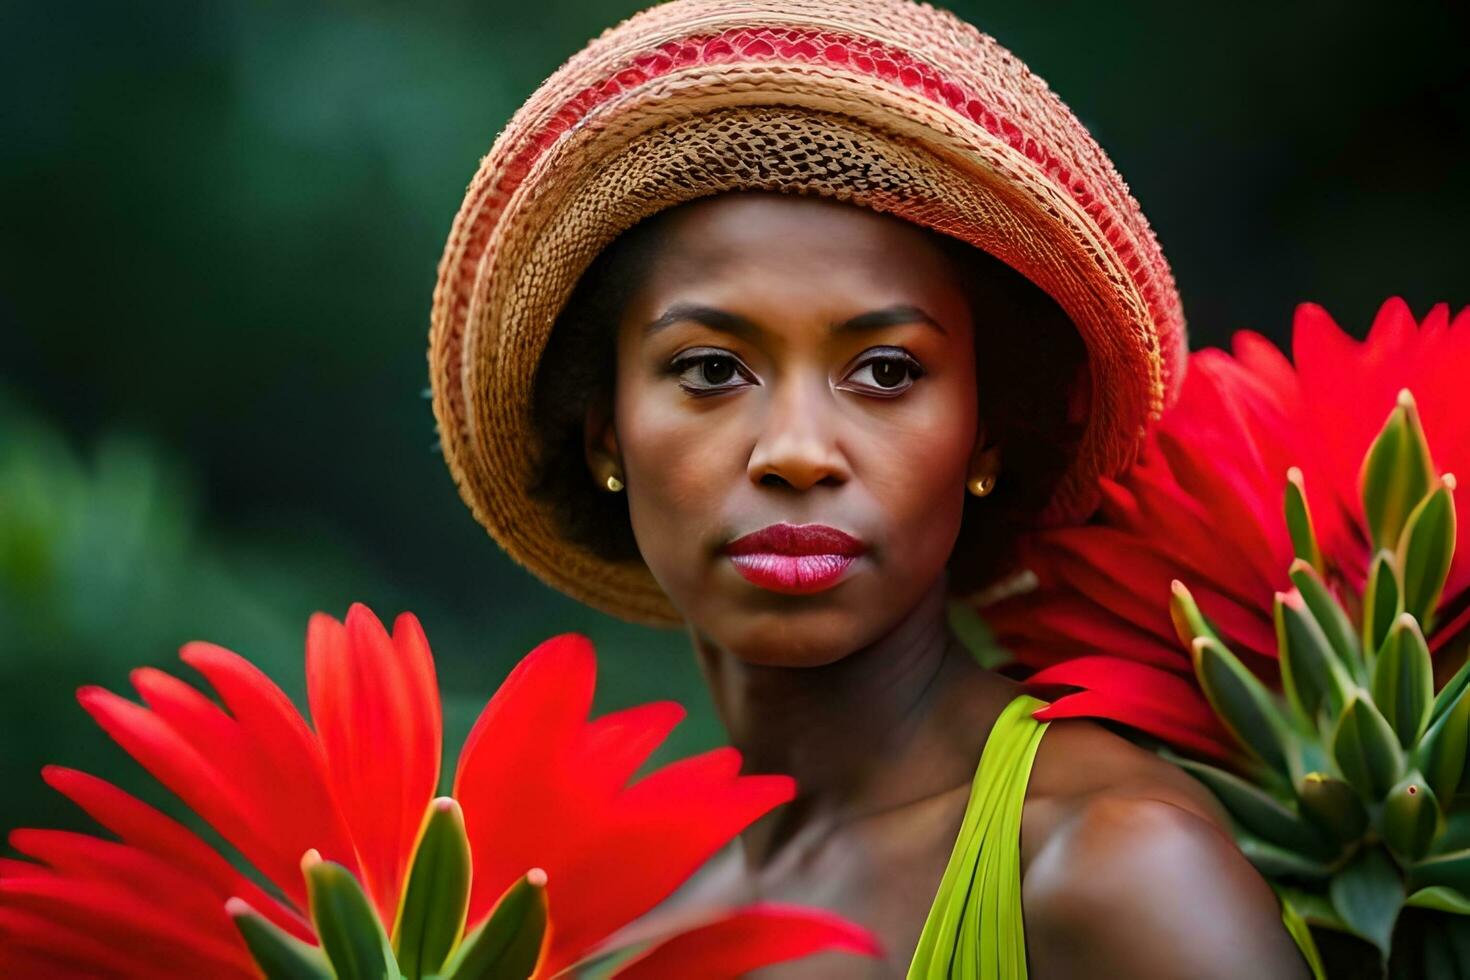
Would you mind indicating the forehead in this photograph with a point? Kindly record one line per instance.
(796, 237)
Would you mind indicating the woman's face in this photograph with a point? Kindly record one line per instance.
(793, 361)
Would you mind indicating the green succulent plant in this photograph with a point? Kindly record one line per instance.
(1352, 797)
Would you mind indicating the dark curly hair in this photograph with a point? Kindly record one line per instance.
(1029, 361)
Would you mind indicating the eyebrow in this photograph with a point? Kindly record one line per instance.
(739, 326)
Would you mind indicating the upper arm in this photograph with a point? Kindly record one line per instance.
(1141, 888)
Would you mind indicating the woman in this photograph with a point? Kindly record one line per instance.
(780, 321)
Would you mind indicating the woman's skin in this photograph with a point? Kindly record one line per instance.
(738, 403)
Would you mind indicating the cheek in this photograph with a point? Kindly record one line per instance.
(679, 465)
(915, 467)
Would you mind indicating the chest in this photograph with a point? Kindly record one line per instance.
(882, 873)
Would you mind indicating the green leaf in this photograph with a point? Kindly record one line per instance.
(1331, 617)
(1258, 811)
(1441, 752)
(1403, 681)
(1189, 623)
(1411, 816)
(349, 929)
(1441, 899)
(1296, 925)
(431, 914)
(1333, 805)
(1241, 701)
(1366, 749)
(1274, 861)
(1396, 473)
(1368, 894)
(509, 944)
(1456, 833)
(1299, 521)
(280, 955)
(1425, 549)
(1450, 870)
(1310, 672)
(1383, 602)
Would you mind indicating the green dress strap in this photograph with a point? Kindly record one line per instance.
(974, 929)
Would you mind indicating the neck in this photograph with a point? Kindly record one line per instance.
(860, 735)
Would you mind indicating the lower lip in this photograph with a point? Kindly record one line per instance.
(792, 574)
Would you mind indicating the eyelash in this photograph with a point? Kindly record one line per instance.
(690, 360)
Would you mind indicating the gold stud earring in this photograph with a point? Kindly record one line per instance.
(613, 484)
(981, 485)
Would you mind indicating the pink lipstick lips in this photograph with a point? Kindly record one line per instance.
(797, 559)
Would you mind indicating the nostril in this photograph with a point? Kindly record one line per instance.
(773, 480)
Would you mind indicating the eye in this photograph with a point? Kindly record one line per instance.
(885, 372)
(710, 370)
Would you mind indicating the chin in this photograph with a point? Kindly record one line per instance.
(789, 636)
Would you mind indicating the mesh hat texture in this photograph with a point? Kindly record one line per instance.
(888, 104)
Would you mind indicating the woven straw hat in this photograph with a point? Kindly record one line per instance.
(888, 104)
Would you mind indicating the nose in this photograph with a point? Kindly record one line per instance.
(797, 444)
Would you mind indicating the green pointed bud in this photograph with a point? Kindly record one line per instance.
(1450, 870)
(1332, 805)
(1383, 602)
(1310, 672)
(345, 922)
(1259, 812)
(1299, 521)
(1331, 617)
(1441, 899)
(1403, 681)
(1241, 701)
(1366, 749)
(1411, 817)
(1396, 473)
(1189, 622)
(1425, 550)
(436, 896)
(1441, 752)
(511, 941)
(278, 954)
(1367, 896)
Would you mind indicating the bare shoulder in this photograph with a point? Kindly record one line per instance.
(1078, 760)
(1131, 872)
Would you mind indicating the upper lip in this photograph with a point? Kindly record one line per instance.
(796, 539)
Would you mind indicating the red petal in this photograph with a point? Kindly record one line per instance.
(1094, 704)
(747, 939)
(35, 945)
(1056, 625)
(513, 783)
(254, 778)
(540, 786)
(375, 702)
(1169, 696)
(119, 918)
(619, 742)
(147, 829)
(145, 877)
(666, 825)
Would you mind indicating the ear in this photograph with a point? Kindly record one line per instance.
(600, 440)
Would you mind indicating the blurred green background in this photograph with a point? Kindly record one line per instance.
(219, 226)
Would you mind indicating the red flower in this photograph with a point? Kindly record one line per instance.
(1203, 505)
(539, 784)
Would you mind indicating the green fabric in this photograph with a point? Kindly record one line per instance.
(1302, 934)
(974, 929)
